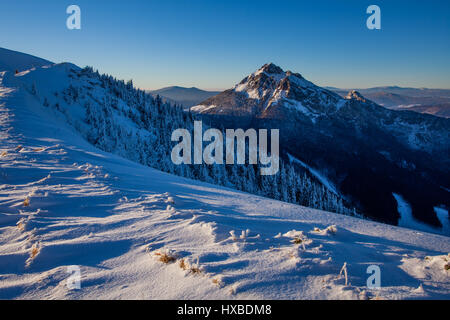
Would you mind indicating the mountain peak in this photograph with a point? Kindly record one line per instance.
(272, 92)
(271, 68)
(355, 95)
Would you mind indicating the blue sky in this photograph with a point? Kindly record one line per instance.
(214, 44)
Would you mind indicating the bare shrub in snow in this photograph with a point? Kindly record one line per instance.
(195, 268)
(183, 265)
(344, 271)
(26, 202)
(21, 224)
(244, 234)
(218, 282)
(166, 258)
(191, 268)
(35, 250)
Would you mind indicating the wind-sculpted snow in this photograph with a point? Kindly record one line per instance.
(138, 233)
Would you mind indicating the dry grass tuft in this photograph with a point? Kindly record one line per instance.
(165, 258)
(447, 267)
(21, 225)
(4, 154)
(34, 252)
(183, 265)
(35, 249)
(26, 202)
(195, 270)
(297, 240)
(217, 282)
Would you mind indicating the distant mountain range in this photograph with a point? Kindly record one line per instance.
(187, 97)
(422, 100)
(369, 152)
(439, 109)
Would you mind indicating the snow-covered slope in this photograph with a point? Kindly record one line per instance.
(17, 61)
(64, 202)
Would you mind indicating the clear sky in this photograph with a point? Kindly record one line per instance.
(214, 44)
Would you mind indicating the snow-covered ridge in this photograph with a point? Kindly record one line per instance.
(138, 233)
(13, 61)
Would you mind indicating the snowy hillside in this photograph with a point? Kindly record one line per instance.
(16, 61)
(138, 233)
